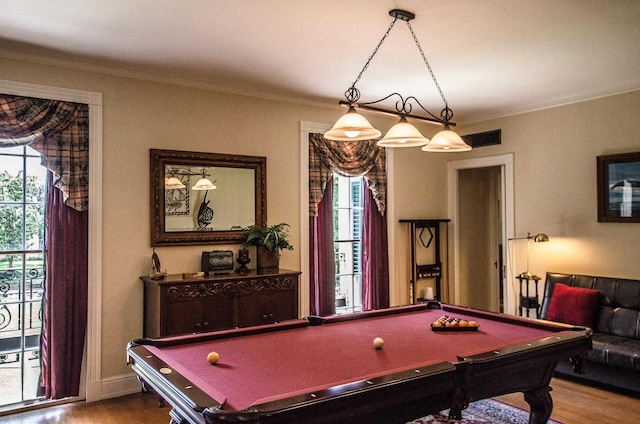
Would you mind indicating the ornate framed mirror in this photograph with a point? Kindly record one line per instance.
(205, 198)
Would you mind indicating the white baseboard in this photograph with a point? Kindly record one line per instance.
(121, 385)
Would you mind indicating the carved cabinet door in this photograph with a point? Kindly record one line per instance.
(267, 300)
(196, 308)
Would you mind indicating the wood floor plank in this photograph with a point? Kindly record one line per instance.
(573, 404)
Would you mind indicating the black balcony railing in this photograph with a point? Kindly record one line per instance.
(20, 312)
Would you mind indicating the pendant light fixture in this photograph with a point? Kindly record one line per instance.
(403, 134)
(204, 183)
(173, 183)
(353, 126)
(446, 140)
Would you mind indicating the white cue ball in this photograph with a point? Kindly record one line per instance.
(378, 343)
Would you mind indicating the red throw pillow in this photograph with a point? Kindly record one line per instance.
(573, 305)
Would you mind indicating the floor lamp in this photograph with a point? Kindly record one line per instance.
(529, 302)
(538, 238)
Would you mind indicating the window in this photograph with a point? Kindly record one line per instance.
(347, 229)
(22, 203)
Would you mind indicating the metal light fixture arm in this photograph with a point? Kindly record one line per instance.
(353, 94)
(403, 106)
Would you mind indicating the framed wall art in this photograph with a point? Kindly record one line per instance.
(619, 187)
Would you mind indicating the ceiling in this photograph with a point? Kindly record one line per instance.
(491, 58)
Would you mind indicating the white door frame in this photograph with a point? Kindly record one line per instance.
(505, 162)
(93, 343)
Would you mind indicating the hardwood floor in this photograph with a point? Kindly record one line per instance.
(573, 404)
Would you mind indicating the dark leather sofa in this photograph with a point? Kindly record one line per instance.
(615, 358)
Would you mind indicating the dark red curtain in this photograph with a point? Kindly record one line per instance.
(64, 320)
(322, 266)
(375, 264)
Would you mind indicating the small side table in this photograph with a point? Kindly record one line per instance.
(528, 302)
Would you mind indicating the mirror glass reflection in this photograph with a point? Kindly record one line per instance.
(230, 205)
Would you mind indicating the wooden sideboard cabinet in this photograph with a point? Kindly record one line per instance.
(175, 305)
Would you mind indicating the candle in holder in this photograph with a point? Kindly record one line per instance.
(243, 260)
(429, 295)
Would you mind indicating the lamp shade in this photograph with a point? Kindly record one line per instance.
(173, 183)
(446, 141)
(352, 127)
(540, 238)
(204, 184)
(403, 134)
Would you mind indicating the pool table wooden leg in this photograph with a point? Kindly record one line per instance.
(462, 394)
(541, 405)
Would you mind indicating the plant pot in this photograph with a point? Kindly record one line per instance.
(266, 260)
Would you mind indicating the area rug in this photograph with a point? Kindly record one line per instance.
(486, 411)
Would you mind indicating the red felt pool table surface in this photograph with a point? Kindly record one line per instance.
(280, 362)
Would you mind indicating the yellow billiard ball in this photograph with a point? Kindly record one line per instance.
(213, 358)
(378, 343)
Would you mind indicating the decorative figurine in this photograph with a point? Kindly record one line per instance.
(156, 270)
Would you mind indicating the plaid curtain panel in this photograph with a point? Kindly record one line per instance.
(349, 159)
(57, 130)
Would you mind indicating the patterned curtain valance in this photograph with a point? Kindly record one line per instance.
(346, 158)
(57, 130)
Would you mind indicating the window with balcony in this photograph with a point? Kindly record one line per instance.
(22, 204)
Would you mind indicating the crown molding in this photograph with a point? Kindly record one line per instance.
(15, 51)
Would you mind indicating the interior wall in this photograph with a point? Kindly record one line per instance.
(420, 189)
(554, 151)
(555, 154)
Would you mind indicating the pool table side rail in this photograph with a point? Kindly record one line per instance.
(526, 367)
(500, 317)
(432, 385)
(452, 309)
(368, 314)
(221, 334)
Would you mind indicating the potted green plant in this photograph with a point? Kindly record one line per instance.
(269, 242)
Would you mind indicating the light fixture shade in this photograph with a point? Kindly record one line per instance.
(446, 141)
(540, 238)
(352, 127)
(204, 184)
(173, 183)
(403, 134)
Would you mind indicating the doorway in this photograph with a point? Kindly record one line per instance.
(91, 387)
(480, 227)
(481, 208)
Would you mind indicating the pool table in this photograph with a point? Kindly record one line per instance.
(327, 370)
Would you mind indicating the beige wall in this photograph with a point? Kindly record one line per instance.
(555, 184)
(554, 166)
